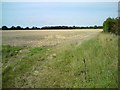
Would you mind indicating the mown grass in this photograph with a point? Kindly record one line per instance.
(93, 64)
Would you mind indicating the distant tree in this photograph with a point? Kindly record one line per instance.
(12, 28)
(95, 27)
(4, 28)
(73, 27)
(27, 28)
(18, 28)
(34, 28)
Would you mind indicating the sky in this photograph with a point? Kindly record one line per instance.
(28, 14)
(59, 0)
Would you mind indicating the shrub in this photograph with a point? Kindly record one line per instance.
(111, 25)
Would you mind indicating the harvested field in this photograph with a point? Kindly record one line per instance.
(38, 38)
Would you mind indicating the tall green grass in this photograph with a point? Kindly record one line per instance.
(93, 64)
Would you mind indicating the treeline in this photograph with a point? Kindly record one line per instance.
(112, 25)
(19, 28)
(72, 27)
(50, 27)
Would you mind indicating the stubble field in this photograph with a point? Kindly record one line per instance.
(47, 37)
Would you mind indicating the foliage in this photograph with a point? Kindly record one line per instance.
(111, 25)
(50, 27)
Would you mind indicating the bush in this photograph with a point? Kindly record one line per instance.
(111, 25)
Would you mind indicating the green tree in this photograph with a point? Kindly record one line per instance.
(4, 28)
(111, 25)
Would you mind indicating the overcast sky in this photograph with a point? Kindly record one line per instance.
(57, 13)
